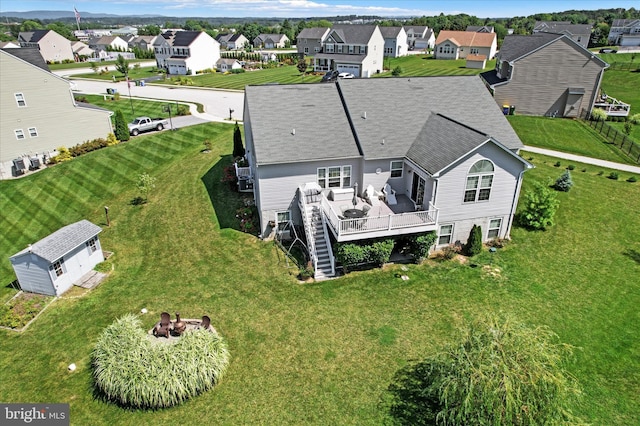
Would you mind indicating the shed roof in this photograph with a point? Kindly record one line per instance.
(64, 240)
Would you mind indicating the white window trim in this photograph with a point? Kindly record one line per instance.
(391, 169)
(52, 269)
(19, 134)
(489, 228)
(342, 177)
(21, 95)
(442, 235)
(280, 224)
(479, 187)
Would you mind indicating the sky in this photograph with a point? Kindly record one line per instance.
(316, 8)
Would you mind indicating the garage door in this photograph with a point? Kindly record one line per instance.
(353, 69)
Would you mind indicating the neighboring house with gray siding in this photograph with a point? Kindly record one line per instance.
(580, 33)
(395, 41)
(446, 169)
(309, 41)
(53, 47)
(357, 49)
(52, 265)
(38, 113)
(625, 32)
(545, 74)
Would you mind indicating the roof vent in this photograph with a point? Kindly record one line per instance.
(382, 141)
(293, 132)
(364, 115)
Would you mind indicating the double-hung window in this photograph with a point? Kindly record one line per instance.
(445, 234)
(282, 218)
(494, 228)
(20, 100)
(479, 182)
(334, 177)
(33, 132)
(19, 133)
(396, 169)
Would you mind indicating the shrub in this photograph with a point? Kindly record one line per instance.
(613, 176)
(112, 140)
(474, 243)
(571, 167)
(248, 219)
(397, 71)
(87, 146)
(557, 164)
(497, 242)
(306, 271)
(351, 254)
(600, 173)
(450, 251)
(598, 114)
(182, 110)
(632, 179)
(63, 155)
(121, 128)
(419, 245)
(564, 182)
(237, 71)
(634, 119)
(133, 371)
(539, 207)
(379, 252)
(628, 127)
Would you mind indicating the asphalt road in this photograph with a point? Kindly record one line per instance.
(219, 105)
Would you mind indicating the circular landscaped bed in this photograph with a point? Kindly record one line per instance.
(134, 369)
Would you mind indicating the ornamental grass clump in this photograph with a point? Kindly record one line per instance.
(133, 370)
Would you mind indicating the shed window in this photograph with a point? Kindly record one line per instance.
(57, 267)
(20, 100)
(92, 245)
(479, 182)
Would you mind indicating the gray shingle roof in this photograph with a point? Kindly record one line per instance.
(441, 141)
(29, 54)
(313, 33)
(562, 26)
(390, 32)
(517, 46)
(32, 36)
(396, 111)
(353, 34)
(61, 242)
(316, 113)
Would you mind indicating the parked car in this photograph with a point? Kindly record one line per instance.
(346, 75)
(145, 124)
(608, 50)
(330, 76)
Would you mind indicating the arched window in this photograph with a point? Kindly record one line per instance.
(479, 181)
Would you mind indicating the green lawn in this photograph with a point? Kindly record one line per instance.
(565, 135)
(134, 74)
(427, 66)
(145, 107)
(54, 67)
(320, 353)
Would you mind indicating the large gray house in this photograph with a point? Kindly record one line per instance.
(450, 164)
(545, 74)
(53, 264)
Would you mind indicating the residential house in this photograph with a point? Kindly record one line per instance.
(580, 33)
(81, 49)
(427, 42)
(52, 265)
(445, 168)
(310, 40)
(357, 49)
(53, 47)
(223, 39)
(625, 32)
(545, 74)
(103, 45)
(459, 44)
(415, 32)
(39, 113)
(9, 45)
(227, 64)
(142, 42)
(232, 41)
(395, 41)
(480, 28)
(186, 52)
(271, 41)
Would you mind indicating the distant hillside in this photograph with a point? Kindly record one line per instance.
(62, 14)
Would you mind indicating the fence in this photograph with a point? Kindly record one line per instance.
(625, 66)
(619, 139)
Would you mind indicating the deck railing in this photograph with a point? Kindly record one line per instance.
(612, 106)
(242, 172)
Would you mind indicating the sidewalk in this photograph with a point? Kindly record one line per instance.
(581, 159)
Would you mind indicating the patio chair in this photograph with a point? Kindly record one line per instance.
(163, 328)
(372, 196)
(390, 194)
(366, 208)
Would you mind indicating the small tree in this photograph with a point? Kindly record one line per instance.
(628, 126)
(474, 243)
(121, 130)
(564, 182)
(539, 207)
(238, 149)
(302, 66)
(122, 66)
(397, 71)
(145, 184)
(501, 373)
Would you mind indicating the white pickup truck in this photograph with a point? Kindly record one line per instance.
(144, 124)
